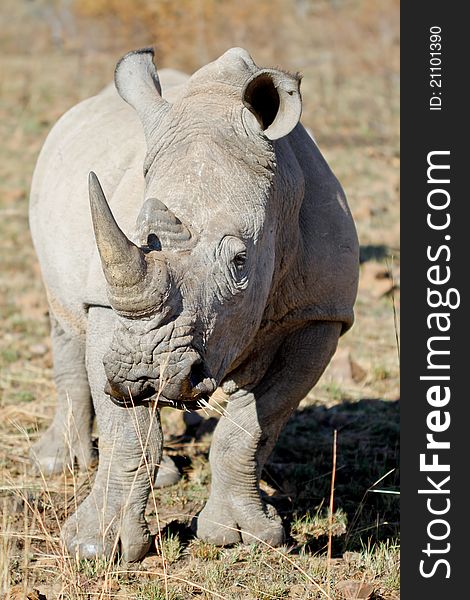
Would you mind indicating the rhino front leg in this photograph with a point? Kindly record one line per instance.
(68, 438)
(112, 517)
(243, 442)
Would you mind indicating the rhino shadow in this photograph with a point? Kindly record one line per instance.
(300, 470)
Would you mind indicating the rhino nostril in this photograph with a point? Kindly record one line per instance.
(199, 380)
(197, 374)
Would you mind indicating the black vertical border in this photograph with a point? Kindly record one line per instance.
(423, 131)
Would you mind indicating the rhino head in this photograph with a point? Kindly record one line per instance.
(191, 287)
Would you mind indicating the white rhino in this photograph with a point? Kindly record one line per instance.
(238, 270)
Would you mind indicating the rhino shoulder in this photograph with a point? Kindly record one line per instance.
(321, 283)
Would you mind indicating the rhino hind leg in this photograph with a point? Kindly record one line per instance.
(168, 473)
(112, 518)
(68, 438)
(241, 445)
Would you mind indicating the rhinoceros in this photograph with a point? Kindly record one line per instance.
(216, 250)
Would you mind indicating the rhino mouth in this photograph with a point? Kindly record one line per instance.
(162, 364)
(160, 400)
(192, 393)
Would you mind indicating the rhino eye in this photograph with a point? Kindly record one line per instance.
(240, 260)
(153, 242)
(233, 252)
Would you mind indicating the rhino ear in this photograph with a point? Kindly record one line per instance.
(274, 98)
(137, 83)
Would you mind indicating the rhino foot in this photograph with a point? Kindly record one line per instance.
(92, 532)
(54, 453)
(228, 523)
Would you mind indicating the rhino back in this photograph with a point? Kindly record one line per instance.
(100, 134)
(329, 237)
(320, 282)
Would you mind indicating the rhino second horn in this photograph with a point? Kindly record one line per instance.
(157, 217)
(123, 262)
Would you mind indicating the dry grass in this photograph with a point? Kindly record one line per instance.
(347, 51)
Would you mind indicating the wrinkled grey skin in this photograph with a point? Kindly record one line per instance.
(239, 270)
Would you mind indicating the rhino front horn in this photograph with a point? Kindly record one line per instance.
(137, 284)
(123, 262)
